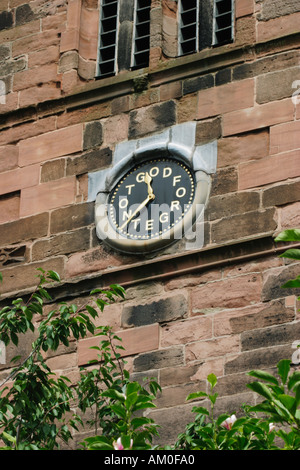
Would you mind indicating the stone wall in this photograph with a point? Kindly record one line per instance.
(217, 309)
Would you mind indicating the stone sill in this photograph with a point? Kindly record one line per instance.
(165, 267)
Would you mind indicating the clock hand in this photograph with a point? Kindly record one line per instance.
(148, 180)
(140, 207)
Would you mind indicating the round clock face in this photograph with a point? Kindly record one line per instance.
(151, 199)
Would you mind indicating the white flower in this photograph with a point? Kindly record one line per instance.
(271, 427)
(227, 424)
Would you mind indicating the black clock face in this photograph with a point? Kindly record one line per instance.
(151, 199)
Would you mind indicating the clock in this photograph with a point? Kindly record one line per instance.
(150, 206)
(151, 199)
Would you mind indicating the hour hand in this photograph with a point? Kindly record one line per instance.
(148, 180)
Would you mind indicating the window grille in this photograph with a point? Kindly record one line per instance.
(141, 37)
(223, 21)
(108, 38)
(204, 23)
(188, 26)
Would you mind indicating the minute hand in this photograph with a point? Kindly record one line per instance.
(140, 207)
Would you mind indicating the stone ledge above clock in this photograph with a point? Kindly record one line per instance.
(178, 140)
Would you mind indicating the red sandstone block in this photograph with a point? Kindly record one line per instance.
(11, 34)
(225, 98)
(244, 8)
(9, 155)
(90, 261)
(42, 58)
(186, 331)
(73, 14)
(27, 130)
(57, 22)
(35, 76)
(35, 42)
(134, 340)
(9, 208)
(19, 178)
(278, 27)
(47, 196)
(269, 170)
(227, 293)
(285, 137)
(202, 350)
(88, 36)
(51, 145)
(258, 117)
(69, 40)
(38, 94)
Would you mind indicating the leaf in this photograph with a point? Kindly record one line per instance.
(119, 410)
(92, 311)
(261, 389)
(292, 253)
(292, 235)
(9, 437)
(212, 379)
(200, 410)
(98, 443)
(138, 422)
(53, 275)
(262, 375)
(283, 367)
(294, 379)
(287, 401)
(193, 396)
(293, 283)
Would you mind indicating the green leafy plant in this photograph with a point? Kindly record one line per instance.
(116, 399)
(225, 432)
(35, 403)
(292, 235)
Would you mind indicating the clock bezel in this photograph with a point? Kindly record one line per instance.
(106, 232)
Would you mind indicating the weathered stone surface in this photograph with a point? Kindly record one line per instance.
(240, 320)
(258, 359)
(243, 225)
(25, 229)
(6, 20)
(92, 135)
(268, 337)
(224, 181)
(69, 218)
(276, 8)
(53, 170)
(231, 204)
(133, 340)
(201, 350)
(62, 244)
(187, 331)
(275, 278)
(161, 310)
(250, 146)
(199, 83)
(24, 14)
(24, 276)
(158, 359)
(89, 161)
(227, 293)
(171, 420)
(276, 85)
(151, 119)
(266, 64)
(207, 131)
